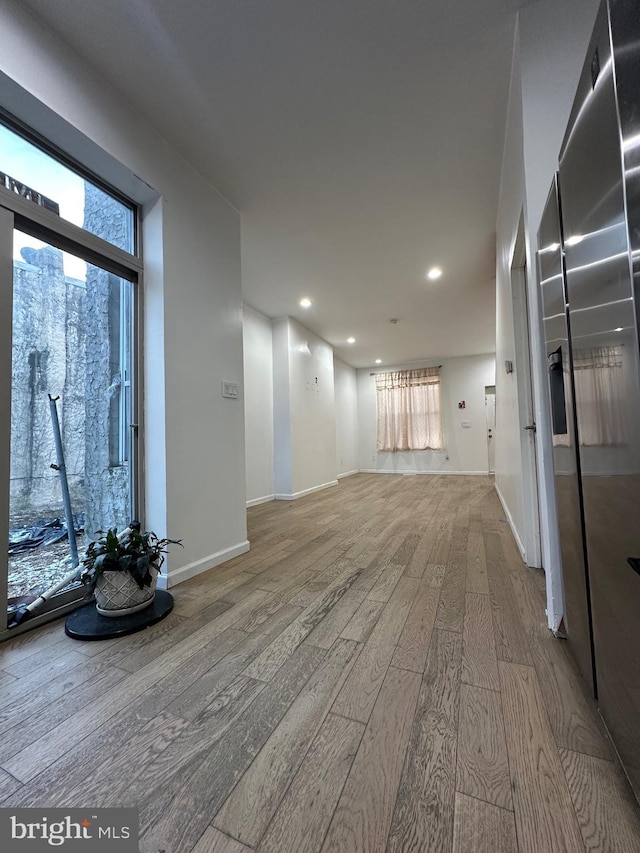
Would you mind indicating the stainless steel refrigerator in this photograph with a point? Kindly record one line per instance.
(566, 461)
(592, 327)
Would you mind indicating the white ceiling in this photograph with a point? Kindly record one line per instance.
(360, 139)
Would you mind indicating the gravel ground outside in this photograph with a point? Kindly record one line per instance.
(33, 572)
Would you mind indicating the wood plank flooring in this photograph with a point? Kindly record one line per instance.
(374, 676)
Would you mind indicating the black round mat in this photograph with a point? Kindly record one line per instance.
(86, 623)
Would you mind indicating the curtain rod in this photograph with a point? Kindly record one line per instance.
(439, 366)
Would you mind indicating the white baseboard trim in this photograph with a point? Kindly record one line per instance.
(310, 491)
(193, 569)
(348, 473)
(516, 535)
(431, 473)
(264, 500)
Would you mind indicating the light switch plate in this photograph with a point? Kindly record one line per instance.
(230, 390)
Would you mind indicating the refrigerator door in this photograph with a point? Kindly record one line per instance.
(604, 341)
(577, 616)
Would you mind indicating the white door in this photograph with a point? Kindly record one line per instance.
(524, 380)
(490, 411)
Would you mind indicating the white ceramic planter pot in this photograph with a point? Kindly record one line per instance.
(117, 594)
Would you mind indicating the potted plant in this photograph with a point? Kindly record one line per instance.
(122, 569)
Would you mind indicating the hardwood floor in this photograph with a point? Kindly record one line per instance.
(375, 675)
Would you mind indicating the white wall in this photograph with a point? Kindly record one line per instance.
(282, 454)
(549, 52)
(346, 398)
(304, 410)
(509, 475)
(257, 337)
(465, 450)
(194, 473)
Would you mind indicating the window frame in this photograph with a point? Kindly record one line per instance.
(64, 158)
(45, 225)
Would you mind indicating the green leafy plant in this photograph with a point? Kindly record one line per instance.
(129, 551)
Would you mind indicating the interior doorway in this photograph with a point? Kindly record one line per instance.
(490, 414)
(526, 416)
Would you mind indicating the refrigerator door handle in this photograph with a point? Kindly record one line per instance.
(634, 562)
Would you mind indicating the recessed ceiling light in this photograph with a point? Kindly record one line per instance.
(351, 340)
(434, 273)
(305, 303)
(378, 361)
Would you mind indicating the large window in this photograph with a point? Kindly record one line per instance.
(409, 415)
(71, 343)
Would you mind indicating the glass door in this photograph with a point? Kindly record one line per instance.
(71, 372)
(69, 279)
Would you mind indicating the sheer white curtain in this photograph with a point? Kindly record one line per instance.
(408, 404)
(561, 439)
(599, 382)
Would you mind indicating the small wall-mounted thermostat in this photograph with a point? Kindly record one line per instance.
(230, 390)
